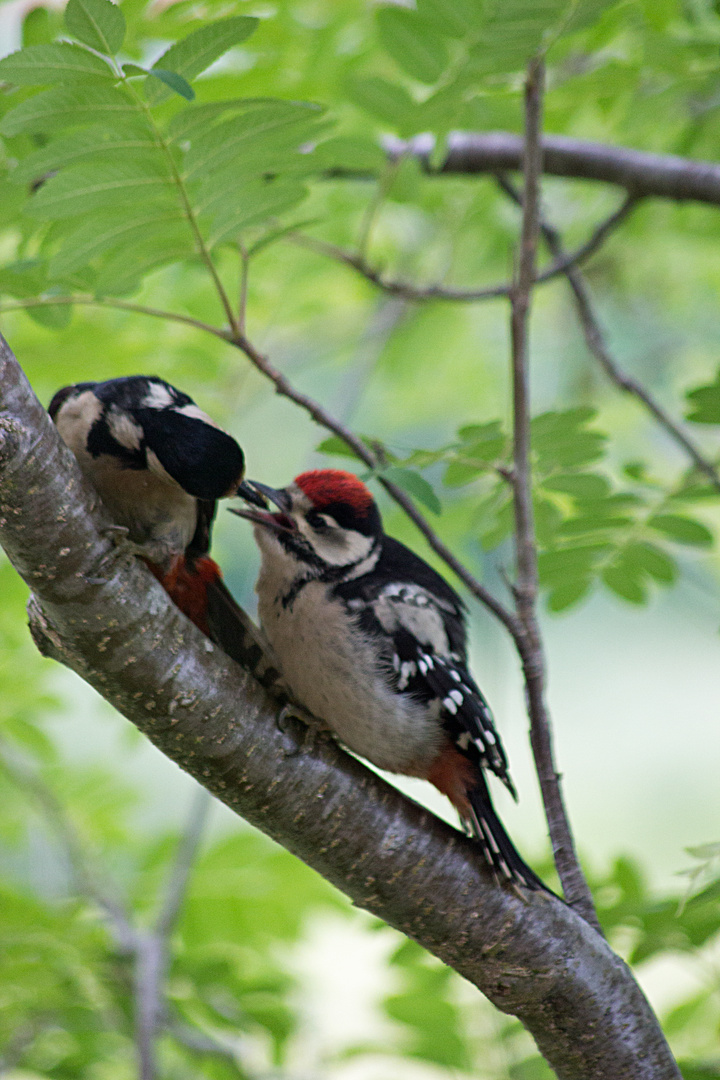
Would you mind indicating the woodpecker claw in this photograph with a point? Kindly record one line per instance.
(314, 729)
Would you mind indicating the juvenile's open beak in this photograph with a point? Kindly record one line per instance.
(259, 495)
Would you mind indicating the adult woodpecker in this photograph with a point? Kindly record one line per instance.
(159, 465)
(372, 641)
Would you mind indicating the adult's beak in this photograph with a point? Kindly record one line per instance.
(259, 495)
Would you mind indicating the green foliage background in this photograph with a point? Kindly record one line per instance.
(154, 146)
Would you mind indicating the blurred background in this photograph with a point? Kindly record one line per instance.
(271, 972)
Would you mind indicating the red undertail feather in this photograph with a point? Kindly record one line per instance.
(187, 585)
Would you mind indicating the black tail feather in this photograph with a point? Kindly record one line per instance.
(497, 846)
(236, 634)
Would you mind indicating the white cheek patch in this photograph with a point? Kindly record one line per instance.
(344, 548)
(75, 418)
(124, 430)
(158, 397)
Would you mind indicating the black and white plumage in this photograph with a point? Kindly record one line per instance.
(159, 465)
(372, 641)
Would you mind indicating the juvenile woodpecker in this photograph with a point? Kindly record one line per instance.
(372, 641)
(159, 465)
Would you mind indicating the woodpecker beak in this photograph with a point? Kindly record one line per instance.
(248, 491)
(259, 495)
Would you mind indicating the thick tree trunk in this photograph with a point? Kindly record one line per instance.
(97, 610)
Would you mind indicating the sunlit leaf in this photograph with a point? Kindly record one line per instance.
(682, 529)
(196, 52)
(68, 107)
(60, 63)
(413, 42)
(97, 23)
(415, 484)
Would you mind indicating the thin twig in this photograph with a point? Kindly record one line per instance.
(122, 305)
(529, 642)
(183, 864)
(152, 957)
(244, 275)
(597, 345)
(409, 291)
(326, 420)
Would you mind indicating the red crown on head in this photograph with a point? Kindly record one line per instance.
(327, 486)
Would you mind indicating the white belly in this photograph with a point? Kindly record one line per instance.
(338, 679)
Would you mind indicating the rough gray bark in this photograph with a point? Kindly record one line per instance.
(662, 176)
(99, 611)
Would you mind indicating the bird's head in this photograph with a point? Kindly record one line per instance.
(141, 422)
(324, 518)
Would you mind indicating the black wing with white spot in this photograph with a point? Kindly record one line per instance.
(422, 622)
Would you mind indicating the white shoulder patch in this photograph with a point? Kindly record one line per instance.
(124, 430)
(158, 397)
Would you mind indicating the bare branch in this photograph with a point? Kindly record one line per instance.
(596, 343)
(184, 861)
(529, 642)
(662, 176)
(102, 613)
(152, 953)
(409, 291)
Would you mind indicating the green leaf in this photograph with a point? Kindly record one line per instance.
(248, 204)
(90, 142)
(351, 154)
(624, 582)
(456, 18)
(27, 277)
(96, 235)
(705, 402)
(568, 594)
(414, 484)
(462, 472)
(196, 52)
(68, 107)
(555, 567)
(50, 316)
(60, 63)
(413, 42)
(385, 100)
(102, 185)
(514, 31)
(336, 447)
(175, 82)
(652, 561)
(259, 140)
(97, 23)
(681, 529)
(580, 485)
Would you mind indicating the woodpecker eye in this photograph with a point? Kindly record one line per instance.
(320, 522)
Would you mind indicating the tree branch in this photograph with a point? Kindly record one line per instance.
(99, 611)
(529, 642)
(409, 291)
(596, 343)
(662, 176)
